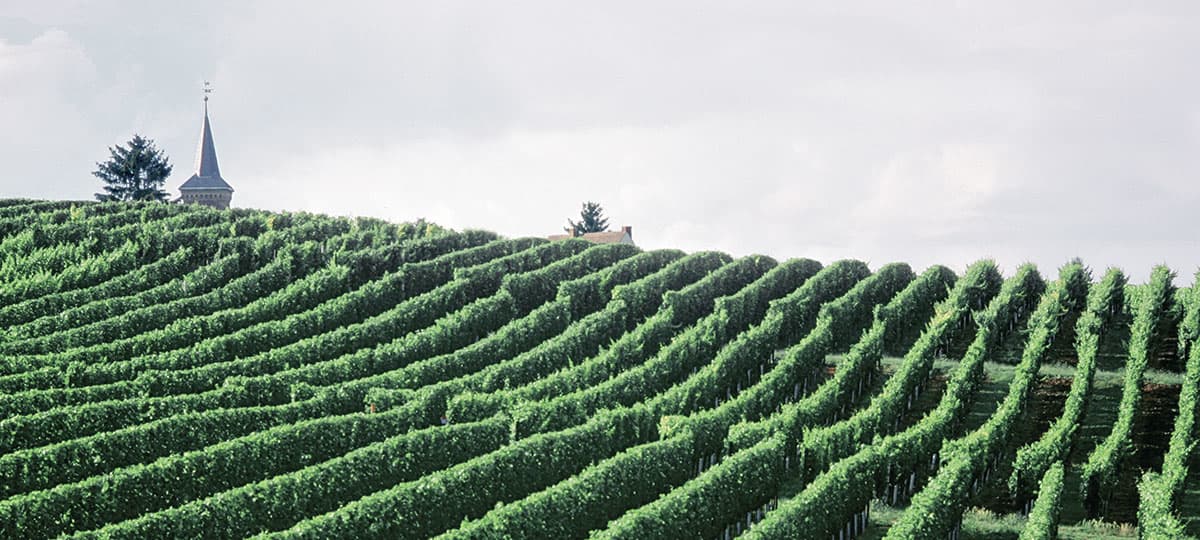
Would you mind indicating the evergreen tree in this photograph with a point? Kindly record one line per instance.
(591, 219)
(136, 172)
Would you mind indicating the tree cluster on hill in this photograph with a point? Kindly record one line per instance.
(136, 172)
(591, 219)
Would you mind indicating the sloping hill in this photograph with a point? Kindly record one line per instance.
(173, 371)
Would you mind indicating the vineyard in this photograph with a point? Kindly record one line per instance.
(172, 371)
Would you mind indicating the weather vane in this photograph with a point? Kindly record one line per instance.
(207, 91)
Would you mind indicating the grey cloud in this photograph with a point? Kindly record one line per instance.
(1020, 130)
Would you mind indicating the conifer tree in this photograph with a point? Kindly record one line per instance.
(591, 219)
(136, 172)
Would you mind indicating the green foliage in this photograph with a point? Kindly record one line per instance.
(1099, 473)
(1033, 460)
(134, 172)
(1043, 520)
(591, 219)
(1161, 493)
(176, 371)
(855, 473)
(938, 508)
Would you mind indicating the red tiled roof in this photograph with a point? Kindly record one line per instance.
(606, 237)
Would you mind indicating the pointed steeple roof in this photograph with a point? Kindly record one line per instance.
(207, 155)
(208, 173)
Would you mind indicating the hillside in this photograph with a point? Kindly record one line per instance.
(173, 371)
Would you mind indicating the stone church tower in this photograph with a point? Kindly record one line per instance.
(206, 186)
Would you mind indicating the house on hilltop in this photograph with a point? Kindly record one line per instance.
(623, 236)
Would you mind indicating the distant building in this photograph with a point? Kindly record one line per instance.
(623, 236)
(206, 186)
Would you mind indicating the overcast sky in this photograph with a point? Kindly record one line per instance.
(944, 133)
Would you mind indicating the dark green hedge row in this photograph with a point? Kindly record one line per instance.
(117, 450)
(151, 241)
(158, 282)
(412, 362)
(32, 401)
(107, 225)
(160, 326)
(846, 297)
(52, 246)
(112, 319)
(64, 423)
(128, 492)
(848, 483)
(937, 509)
(223, 326)
(1043, 520)
(1160, 494)
(310, 282)
(474, 304)
(22, 319)
(85, 273)
(280, 501)
(580, 340)
(1100, 473)
(265, 248)
(694, 348)
(588, 500)
(784, 383)
(440, 501)
(824, 445)
(722, 494)
(706, 504)
(678, 309)
(1034, 459)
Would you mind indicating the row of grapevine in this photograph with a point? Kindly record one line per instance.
(249, 252)
(62, 424)
(258, 296)
(744, 276)
(307, 292)
(106, 226)
(280, 501)
(100, 453)
(839, 495)
(160, 281)
(88, 272)
(853, 293)
(1033, 460)
(1160, 493)
(581, 339)
(680, 309)
(41, 338)
(822, 446)
(1043, 519)
(1100, 472)
(153, 240)
(421, 359)
(967, 462)
(128, 335)
(476, 294)
(348, 381)
(705, 504)
(916, 300)
(778, 291)
(130, 491)
(51, 247)
(825, 280)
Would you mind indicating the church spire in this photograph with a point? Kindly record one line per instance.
(206, 186)
(206, 156)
